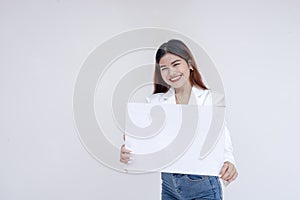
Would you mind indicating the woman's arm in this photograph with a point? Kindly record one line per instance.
(228, 147)
(228, 172)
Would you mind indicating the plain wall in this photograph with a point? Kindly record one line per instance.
(254, 44)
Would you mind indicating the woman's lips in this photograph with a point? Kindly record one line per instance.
(175, 78)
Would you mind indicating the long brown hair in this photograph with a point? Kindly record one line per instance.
(177, 48)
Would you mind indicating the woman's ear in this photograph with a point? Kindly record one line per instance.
(190, 64)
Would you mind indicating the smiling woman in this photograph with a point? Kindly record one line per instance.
(176, 77)
(176, 67)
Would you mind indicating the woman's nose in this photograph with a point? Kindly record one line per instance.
(172, 71)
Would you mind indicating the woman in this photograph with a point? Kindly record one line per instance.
(176, 78)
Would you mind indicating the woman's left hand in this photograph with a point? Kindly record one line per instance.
(228, 172)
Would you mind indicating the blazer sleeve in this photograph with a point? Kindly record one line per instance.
(228, 151)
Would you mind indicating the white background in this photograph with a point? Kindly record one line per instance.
(254, 44)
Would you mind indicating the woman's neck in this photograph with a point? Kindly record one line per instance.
(183, 94)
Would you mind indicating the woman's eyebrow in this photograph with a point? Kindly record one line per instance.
(174, 61)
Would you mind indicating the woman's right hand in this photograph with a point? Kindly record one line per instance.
(124, 154)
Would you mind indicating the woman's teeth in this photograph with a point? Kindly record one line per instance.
(176, 78)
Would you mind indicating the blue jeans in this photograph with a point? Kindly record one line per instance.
(190, 187)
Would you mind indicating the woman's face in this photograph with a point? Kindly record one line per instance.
(174, 70)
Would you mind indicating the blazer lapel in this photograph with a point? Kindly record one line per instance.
(169, 96)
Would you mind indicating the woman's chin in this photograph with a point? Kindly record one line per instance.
(176, 85)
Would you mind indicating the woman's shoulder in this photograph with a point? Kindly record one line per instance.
(214, 98)
(154, 98)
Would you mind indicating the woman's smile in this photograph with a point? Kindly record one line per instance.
(175, 78)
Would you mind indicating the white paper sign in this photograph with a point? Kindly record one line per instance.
(169, 138)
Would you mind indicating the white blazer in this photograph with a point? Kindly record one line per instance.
(203, 97)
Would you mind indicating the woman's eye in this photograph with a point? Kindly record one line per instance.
(163, 68)
(176, 64)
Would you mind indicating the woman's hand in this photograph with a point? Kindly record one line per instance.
(124, 153)
(228, 172)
